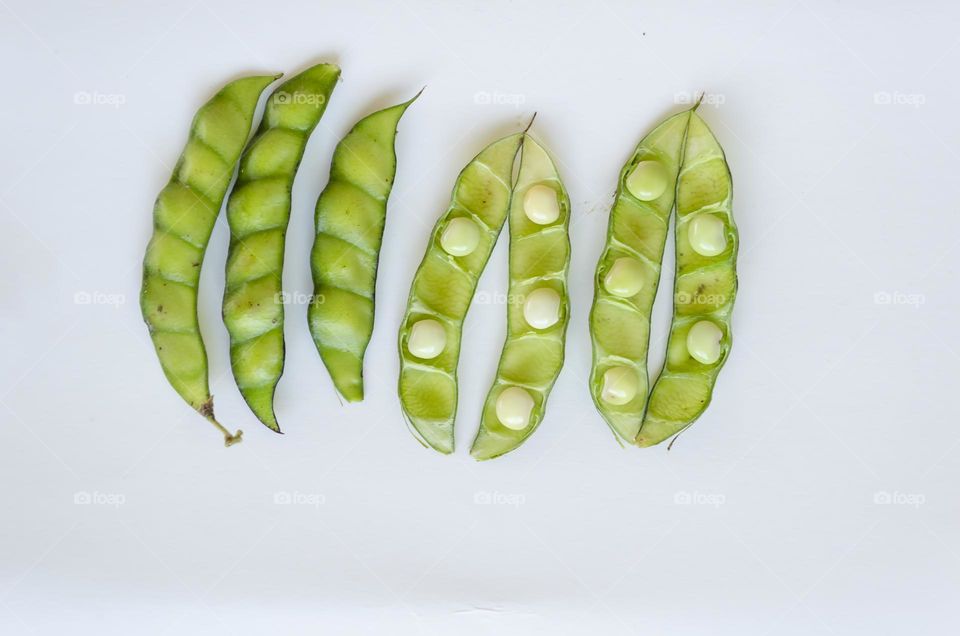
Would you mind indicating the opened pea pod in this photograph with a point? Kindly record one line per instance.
(258, 212)
(537, 309)
(443, 288)
(628, 275)
(183, 218)
(704, 290)
(350, 216)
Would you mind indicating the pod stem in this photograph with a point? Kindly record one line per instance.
(229, 439)
(677, 436)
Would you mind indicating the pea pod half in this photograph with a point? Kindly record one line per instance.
(443, 288)
(183, 218)
(704, 290)
(628, 275)
(537, 309)
(350, 216)
(258, 212)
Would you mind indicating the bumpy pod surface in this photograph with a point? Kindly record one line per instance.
(183, 218)
(258, 212)
(350, 216)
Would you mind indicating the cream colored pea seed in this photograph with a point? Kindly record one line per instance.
(514, 406)
(625, 278)
(707, 235)
(541, 308)
(541, 206)
(619, 385)
(703, 342)
(648, 180)
(427, 339)
(460, 237)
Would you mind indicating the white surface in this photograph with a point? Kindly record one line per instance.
(832, 400)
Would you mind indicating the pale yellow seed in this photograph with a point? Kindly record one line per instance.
(514, 406)
(707, 235)
(541, 206)
(703, 342)
(460, 237)
(427, 339)
(648, 180)
(625, 278)
(620, 385)
(541, 308)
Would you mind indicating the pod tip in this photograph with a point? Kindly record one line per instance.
(531, 123)
(696, 105)
(407, 103)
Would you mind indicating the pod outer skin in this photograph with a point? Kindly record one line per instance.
(258, 212)
(350, 218)
(184, 215)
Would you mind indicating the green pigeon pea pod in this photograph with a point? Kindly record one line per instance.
(538, 308)
(350, 216)
(628, 274)
(705, 288)
(183, 218)
(443, 288)
(258, 212)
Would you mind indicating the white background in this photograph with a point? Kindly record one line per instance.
(840, 126)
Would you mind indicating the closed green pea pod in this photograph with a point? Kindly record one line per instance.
(538, 307)
(183, 218)
(704, 290)
(442, 288)
(258, 212)
(350, 216)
